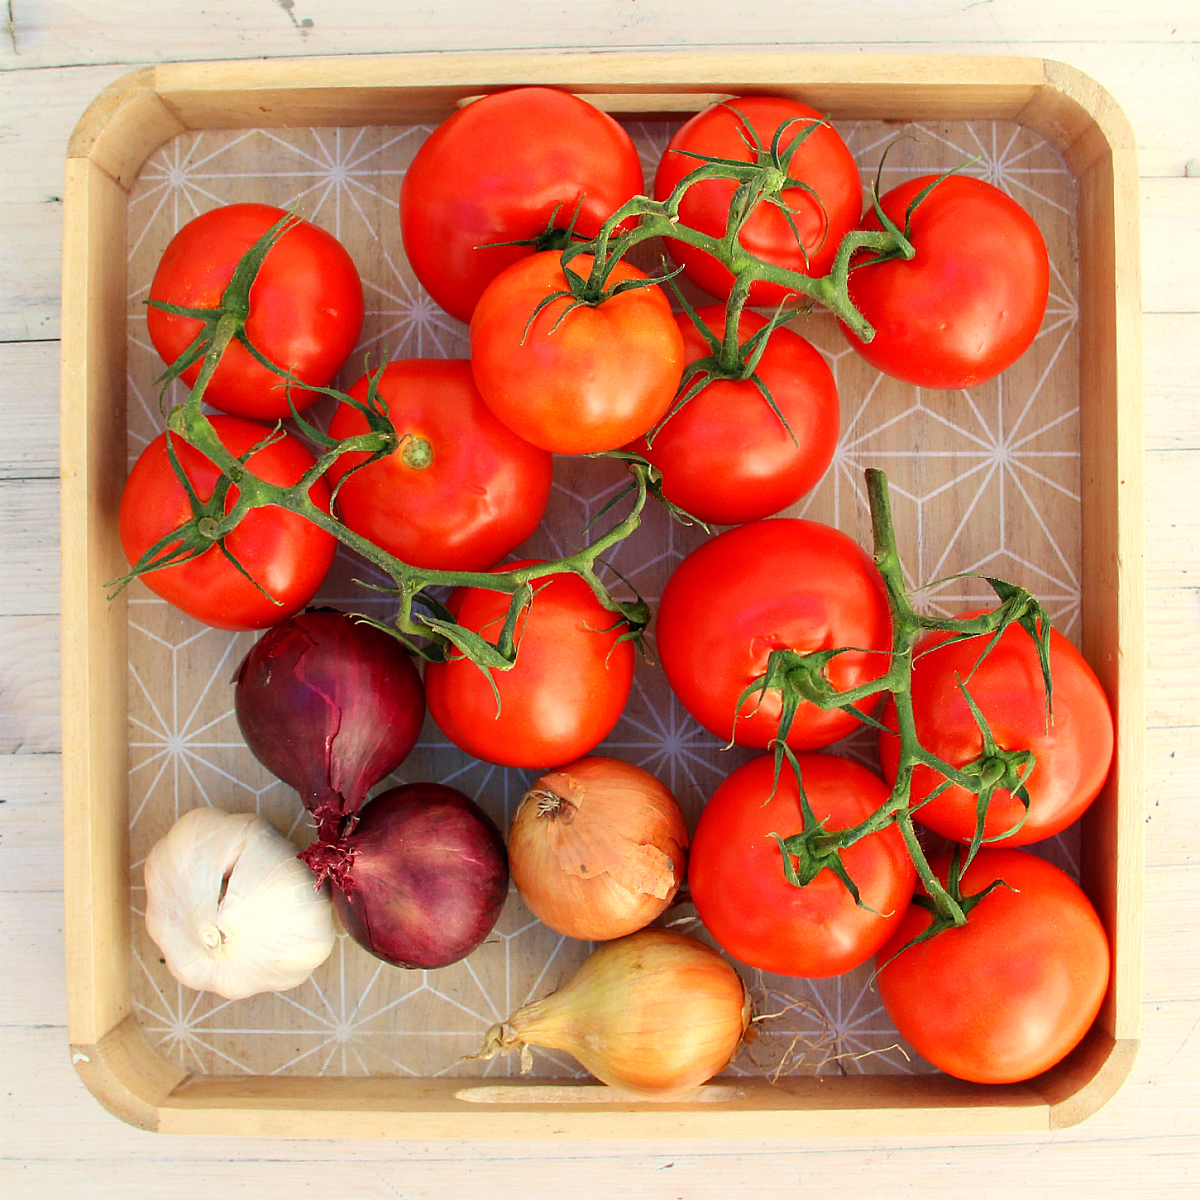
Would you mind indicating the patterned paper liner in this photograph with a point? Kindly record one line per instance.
(983, 481)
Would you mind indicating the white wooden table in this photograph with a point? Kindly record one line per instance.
(55, 1141)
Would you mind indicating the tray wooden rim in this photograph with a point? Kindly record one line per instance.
(140, 111)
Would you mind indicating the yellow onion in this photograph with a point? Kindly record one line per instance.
(597, 848)
(655, 1014)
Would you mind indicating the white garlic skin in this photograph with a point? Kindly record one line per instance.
(232, 908)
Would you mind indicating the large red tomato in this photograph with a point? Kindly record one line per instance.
(306, 306)
(725, 456)
(503, 169)
(461, 492)
(1013, 991)
(971, 301)
(563, 695)
(285, 554)
(1072, 755)
(738, 884)
(808, 242)
(772, 585)
(578, 381)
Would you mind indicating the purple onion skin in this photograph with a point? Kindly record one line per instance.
(331, 706)
(426, 878)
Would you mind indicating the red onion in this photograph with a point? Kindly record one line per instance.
(421, 880)
(331, 705)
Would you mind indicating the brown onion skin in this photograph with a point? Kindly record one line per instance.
(427, 876)
(582, 900)
(331, 706)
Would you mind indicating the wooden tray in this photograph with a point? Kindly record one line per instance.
(1096, 369)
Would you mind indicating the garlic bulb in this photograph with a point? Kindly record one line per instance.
(232, 908)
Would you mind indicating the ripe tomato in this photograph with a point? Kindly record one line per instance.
(306, 306)
(1072, 755)
(725, 457)
(462, 493)
(284, 553)
(563, 695)
(822, 162)
(500, 170)
(592, 379)
(1013, 991)
(771, 585)
(971, 301)
(739, 888)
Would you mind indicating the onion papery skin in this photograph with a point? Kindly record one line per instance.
(422, 879)
(597, 849)
(331, 705)
(656, 1014)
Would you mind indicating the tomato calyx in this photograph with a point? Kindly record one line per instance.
(943, 915)
(813, 850)
(730, 359)
(773, 175)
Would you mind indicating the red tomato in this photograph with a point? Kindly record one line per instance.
(501, 170)
(565, 692)
(592, 379)
(772, 585)
(822, 162)
(725, 457)
(971, 301)
(745, 901)
(306, 306)
(1013, 991)
(1072, 755)
(284, 553)
(474, 492)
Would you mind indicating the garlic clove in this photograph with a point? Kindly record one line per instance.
(232, 908)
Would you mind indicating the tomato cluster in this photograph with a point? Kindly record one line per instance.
(576, 352)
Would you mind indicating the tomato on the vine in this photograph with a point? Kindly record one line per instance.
(803, 238)
(1013, 991)
(726, 457)
(563, 695)
(306, 307)
(737, 880)
(771, 585)
(460, 492)
(577, 378)
(502, 170)
(1072, 753)
(970, 302)
(285, 554)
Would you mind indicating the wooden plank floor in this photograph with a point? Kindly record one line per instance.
(55, 1141)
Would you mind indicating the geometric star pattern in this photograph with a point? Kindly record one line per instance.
(985, 480)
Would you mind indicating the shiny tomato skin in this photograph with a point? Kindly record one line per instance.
(594, 380)
(823, 162)
(736, 878)
(1073, 755)
(972, 300)
(306, 307)
(778, 584)
(284, 553)
(563, 695)
(482, 493)
(502, 169)
(1006, 996)
(725, 457)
